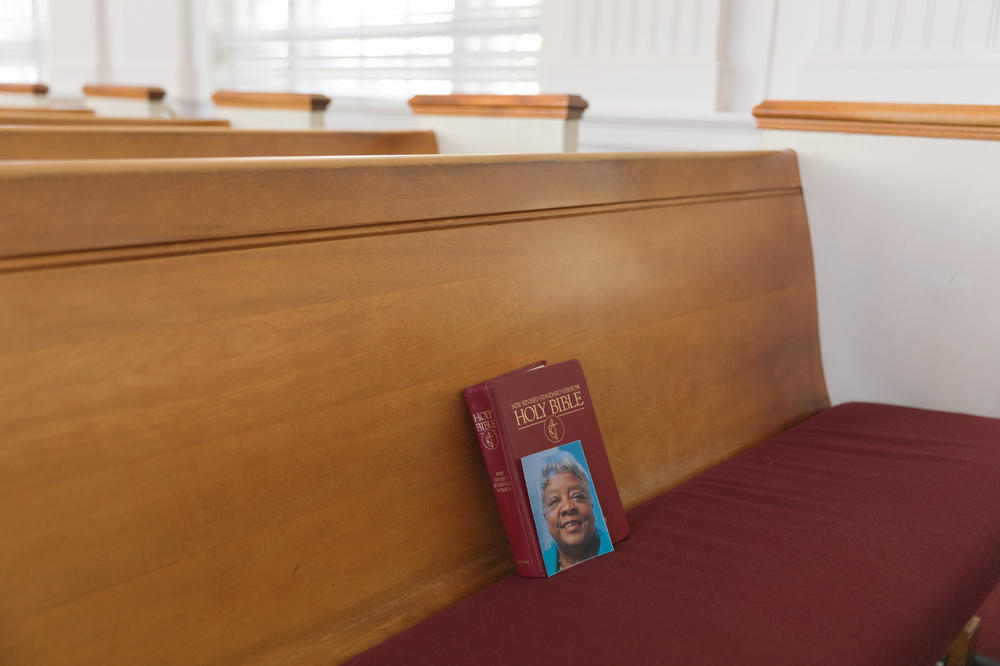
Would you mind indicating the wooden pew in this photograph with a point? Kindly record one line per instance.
(10, 115)
(24, 95)
(501, 123)
(138, 101)
(85, 119)
(271, 110)
(61, 143)
(469, 124)
(233, 428)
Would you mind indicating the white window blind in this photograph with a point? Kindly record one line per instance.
(389, 49)
(23, 41)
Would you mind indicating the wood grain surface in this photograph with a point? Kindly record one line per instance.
(29, 88)
(527, 106)
(77, 119)
(9, 113)
(233, 430)
(75, 143)
(130, 92)
(953, 121)
(271, 100)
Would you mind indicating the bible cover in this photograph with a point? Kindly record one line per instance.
(526, 411)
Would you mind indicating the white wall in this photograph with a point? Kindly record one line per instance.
(144, 42)
(659, 74)
(906, 241)
(906, 231)
(78, 46)
(945, 51)
(682, 74)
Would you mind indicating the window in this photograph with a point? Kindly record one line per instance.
(23, 41)
(389, 49)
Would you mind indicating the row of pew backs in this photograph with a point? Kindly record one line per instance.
(463, 123)
(69, 143)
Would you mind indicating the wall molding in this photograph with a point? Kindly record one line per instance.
(952, 121)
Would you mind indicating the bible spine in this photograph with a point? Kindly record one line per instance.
(517, 520)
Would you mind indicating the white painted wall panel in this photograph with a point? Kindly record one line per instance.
(932, 51)
(501, 134)
(906, 240)
(274, 119)
(23, 100)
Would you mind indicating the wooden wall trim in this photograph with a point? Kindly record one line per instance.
(30, 88)
(271, 100)
(953, 121)
(525, 106)
(371, 193)
(152, 93)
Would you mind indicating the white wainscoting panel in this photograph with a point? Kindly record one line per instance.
(638, 58)
(930, 51)
(906, 240)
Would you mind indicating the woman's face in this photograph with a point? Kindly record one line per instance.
(569, 512)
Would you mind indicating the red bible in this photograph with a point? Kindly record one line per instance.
(526, 411)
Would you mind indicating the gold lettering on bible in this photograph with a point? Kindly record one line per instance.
(536, 409)
(484, 421)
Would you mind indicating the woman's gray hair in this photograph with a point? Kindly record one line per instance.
(561, 462)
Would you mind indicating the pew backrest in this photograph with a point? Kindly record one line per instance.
(501, 123)
(88, 118)
(61, 143)
(271, 110)
(27, 95)
(10, 115)
(233, 427)
(138, 101)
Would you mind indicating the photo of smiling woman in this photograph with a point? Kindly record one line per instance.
(567, 513)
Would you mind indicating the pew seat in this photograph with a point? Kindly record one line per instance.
(863, 535)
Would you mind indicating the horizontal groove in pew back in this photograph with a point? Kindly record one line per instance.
(370, 191)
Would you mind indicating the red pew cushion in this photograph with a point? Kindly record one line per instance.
(867, 534)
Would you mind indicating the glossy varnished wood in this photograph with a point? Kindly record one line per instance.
(525, 106)
(151, 93)
(78, 119)
(373, 195)
(962, 651)
(271, 100)
(61, 143)
(953, 121)
(10, 114)
(233, 429)
(27, 88)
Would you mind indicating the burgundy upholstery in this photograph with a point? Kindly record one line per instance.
(868, 534)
